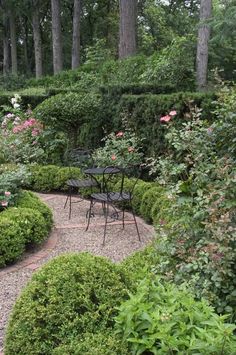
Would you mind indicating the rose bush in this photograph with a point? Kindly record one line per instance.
(122, 149)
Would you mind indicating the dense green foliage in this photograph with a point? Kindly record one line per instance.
(69, 297)
(69, 112)
(162, 319)
(26, 224)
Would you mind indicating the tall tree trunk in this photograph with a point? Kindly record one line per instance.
(128, 28)
(13, 42)
(24, 23)
(6, 47)
(56, 37)
(75, 56)
(37, 41)
(202, 44)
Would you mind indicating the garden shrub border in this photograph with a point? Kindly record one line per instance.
(27, 224)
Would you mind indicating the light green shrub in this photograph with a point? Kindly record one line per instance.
(97, 344)
(139, 190)
(148, 200)
(70, 296)
(31, 222)
(30, 200)
(12, 240)
(162, 319)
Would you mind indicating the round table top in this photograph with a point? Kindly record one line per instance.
(101, 171)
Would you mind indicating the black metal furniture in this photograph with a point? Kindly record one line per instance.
(118, 199)
(82, 159)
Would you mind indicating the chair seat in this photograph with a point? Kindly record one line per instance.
(81, 183)
(111, 196)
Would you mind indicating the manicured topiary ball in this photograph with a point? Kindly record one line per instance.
(72, 295)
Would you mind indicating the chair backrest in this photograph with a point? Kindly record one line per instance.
(79, 157)
(114, 179)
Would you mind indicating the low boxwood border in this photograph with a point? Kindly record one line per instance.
(26, 224)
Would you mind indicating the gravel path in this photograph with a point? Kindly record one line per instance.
(71, 237)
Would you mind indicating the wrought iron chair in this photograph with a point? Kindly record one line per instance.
(115, 196)
(82, 159)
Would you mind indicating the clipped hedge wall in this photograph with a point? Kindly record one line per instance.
(70, 296)
(144, 111)
(27, 224)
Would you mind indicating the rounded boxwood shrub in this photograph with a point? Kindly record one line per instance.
(140, 264)
(96, 344)
(31, 223)
(148, 200)
(163, 319)
(161, 210)
(12, 240)
(43, 177)
(29, 200)
(139, 190)
(72, 295)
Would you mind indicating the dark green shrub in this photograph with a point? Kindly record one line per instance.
(97, 344)
(148, 200)
(12, 241)
(70, 296)
(31, 222)
(162, 319)
(68, 112)
(144, 112)
(30, 200)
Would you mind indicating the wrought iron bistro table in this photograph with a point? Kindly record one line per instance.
(100, 171)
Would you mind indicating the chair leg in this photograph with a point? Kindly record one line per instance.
(89, 214)
(106, 211)
(66, 201)
(136, 225)
(123, 218)
(70, 203)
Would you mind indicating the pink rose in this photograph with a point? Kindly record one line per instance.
(130, 149)
(7, 193)
(35, 132)
(166, 118)
(119, 134)
(113, 157)
(4, 203)
(173, 113)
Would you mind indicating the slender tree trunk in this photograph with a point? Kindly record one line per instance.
(128, 28)
(202, 44)
(13, 42)
(75, 57)
(6, 47)
(37, 41)
(25, 44)
(56, 37)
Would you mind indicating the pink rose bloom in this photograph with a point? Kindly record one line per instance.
(130, 149)
(113, 157)
(7, 193)
(35, 132)
(34, 142)
(173, 113)
(209, 131)
(119, 134)
(4, 203)
(166, 118)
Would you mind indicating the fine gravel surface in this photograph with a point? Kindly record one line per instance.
(72, 237)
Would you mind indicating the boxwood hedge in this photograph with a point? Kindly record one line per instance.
(71, 296)
(26, 224)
